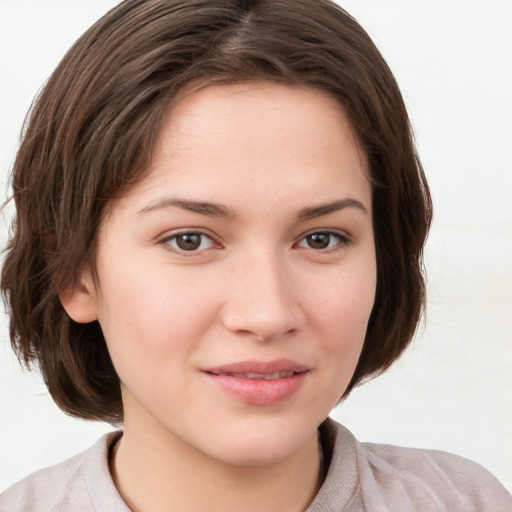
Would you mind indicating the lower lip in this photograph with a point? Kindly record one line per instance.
(259, 391)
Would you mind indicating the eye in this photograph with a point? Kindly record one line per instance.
(189, 242)
(322, 240)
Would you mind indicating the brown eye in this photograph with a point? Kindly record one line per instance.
(189, 242)
(318, 240)
(322, 240)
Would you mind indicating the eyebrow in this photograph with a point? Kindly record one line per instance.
(201, 207)
(324, 209)
(219, 210)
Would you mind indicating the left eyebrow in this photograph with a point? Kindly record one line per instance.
(324, 209)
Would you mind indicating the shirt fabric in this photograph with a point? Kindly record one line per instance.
(361, 477)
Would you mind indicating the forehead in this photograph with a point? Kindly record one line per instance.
(252, 114)
(263, 139)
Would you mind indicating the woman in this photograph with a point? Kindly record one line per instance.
(220, 224)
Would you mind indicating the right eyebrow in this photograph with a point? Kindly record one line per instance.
(201, 207)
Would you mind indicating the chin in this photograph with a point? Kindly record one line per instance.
(262, 447)
(256, 457)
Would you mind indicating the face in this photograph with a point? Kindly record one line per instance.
(236, 280)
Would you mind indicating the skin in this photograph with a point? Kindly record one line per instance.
(254, 287)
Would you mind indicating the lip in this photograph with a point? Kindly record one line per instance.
(256, 389)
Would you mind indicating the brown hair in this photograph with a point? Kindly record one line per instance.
(90, 136)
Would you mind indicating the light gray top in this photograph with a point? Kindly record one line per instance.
(361, 477)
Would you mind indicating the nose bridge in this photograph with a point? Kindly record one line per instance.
(261, 300)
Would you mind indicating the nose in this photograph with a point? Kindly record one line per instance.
(262, 300)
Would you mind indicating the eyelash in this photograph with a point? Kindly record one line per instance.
(342, 241)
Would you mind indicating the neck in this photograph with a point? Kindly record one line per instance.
(153, 472)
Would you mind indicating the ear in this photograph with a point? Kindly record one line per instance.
(79, 300)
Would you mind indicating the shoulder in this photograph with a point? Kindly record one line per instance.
(397, 478)
(443, 480)
(48, 489)
(74, 484)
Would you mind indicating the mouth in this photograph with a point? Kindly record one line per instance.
(264, 376)
(259, 383)
(276, 369)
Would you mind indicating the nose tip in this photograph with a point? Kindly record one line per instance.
(262, 304)
(261, 327)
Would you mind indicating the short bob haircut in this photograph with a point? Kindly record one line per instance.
(90, 135)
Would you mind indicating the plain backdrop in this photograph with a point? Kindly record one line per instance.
(453, 388)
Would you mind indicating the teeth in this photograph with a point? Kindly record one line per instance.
(261, 376)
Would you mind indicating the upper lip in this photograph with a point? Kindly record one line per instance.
(260, 367)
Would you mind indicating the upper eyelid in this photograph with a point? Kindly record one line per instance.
(163, 239)
(329, 231)
(187, 231)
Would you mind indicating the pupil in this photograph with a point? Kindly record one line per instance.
(188, 242)
(318, 241)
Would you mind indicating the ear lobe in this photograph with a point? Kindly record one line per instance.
(79, 301)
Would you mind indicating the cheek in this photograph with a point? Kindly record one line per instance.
(339, 311)
(151, 315)
(342, 309)
(350, 293)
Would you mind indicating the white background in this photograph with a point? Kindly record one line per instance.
(453, 389)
